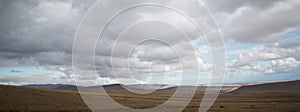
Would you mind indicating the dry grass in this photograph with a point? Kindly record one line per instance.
(14, 98)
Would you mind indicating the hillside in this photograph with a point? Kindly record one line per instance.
(270, 97)
(53, 86)
(119, 87)
(292, 87)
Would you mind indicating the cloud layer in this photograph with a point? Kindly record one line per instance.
(41, 33)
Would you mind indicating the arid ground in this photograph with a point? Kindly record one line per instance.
(271, 97)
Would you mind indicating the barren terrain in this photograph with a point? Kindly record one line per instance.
(271, 97)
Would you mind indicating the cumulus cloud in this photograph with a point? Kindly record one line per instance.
(285, 62)
(252, 56)
(256, 21)
(33, 30)
(280, 57)
(36, 26)
(40, 33)
(33, 78)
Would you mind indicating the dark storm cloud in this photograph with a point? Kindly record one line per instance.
(41, 31)
(35, 26)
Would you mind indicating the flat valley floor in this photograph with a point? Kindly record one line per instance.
(263, 98)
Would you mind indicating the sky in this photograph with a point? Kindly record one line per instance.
(261, 42)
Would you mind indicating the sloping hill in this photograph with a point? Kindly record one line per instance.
(53, 86)
(292, 87)
(119, 87)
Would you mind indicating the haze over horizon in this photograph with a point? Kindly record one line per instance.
(262, 43)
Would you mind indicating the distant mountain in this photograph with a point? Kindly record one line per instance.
(265, 87)
(114, 87)
(53, 86)
(118, 87)
(108, 87)
(162, 88)
(272, 87)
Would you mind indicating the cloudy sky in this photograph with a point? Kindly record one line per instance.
(262, 43)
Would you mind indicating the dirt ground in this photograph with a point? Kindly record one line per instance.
(15, 98)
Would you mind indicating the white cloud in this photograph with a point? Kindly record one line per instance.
(253, 55)
(41, 33)
(285, 62)
(269, 71)
(256, 21)
(278, 58)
